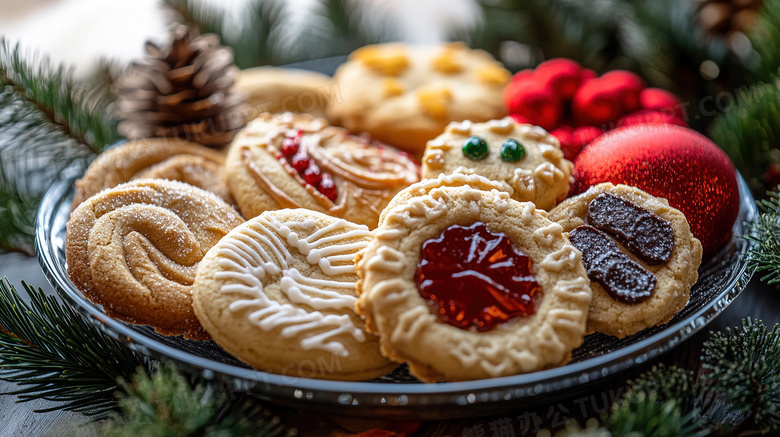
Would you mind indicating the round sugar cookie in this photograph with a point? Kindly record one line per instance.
(466, 284)
(134, 249)
(405, 95)
(276, 90)
(523, 156)
(155, 158)
(297, 161)
(279, 294)
(640, 254)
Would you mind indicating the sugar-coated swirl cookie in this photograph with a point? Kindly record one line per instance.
(134, 249)
(297, 161)
(405, 95)
(523, 156)
(155, 158)
(464, 284)
(279, 293)
(640, 253)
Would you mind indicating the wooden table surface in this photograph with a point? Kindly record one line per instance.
(758, 301)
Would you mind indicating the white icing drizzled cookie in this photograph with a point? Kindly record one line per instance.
(279, 293)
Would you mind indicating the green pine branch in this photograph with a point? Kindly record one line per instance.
(338, 27)
(765, 37)
(737, 389)
(749, 133)
(49, 123)
(53, 353)
(764, 257)
(166, 403)
(254, 39)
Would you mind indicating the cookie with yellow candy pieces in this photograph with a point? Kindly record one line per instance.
(298, 161)
(405, 95)
(463, 283)
(523, 156)
(279, 294)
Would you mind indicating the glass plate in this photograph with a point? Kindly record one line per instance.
(721, 279)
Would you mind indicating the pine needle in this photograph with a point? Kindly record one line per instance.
(168, 404)
(49, 124)
(53, 353)
(743, 365)
(765, 231)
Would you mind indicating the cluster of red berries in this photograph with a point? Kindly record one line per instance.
(298, 159)
(575, 106)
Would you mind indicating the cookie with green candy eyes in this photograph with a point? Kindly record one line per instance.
(524, 156)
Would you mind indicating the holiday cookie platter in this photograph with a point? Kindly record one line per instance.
(317, 266)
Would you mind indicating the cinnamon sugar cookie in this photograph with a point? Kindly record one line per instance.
(639, 253)
(134, 249)
(405, 95)
(162, 158)
(523, 156)
(297, 161)
(466, 284)
(278, 292)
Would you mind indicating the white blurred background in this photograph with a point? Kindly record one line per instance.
(79, 32)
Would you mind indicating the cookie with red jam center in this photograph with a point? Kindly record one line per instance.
(462, 282)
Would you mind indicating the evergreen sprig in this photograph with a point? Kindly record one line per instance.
(765, 36)
(49, 123)
(644, 413)
(765, 231)
(742, 364)
(738, 388)
(256, 36)
(166, 403)
(749, 133)
(53, 353)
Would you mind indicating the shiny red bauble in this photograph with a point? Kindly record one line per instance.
(535, 101)
(672, 162)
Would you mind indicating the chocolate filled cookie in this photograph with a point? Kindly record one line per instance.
(639, 254)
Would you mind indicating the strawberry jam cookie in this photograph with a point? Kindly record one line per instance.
(279, 293)
(405, 95)
(134, 249)
(159, 158)
(523, 156)
(464, 284)
(297, 161)
(639, 254)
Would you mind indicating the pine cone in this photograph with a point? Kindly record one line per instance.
(722, 17)
(184, 90)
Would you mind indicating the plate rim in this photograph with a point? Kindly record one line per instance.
(392, 395)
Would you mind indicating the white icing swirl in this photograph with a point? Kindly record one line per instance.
(259, 252)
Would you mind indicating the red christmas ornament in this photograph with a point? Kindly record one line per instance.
(597, 102)
(536, 101)
(646, 116)
(587, 74)
(523, 75)
(628, 84)
(565, 137)
(562, 74)
(661, 100)
(668, 161)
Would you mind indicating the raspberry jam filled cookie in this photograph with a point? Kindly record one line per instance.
(525, 157)
(639, 254)
(297, 161)
(463, 283)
